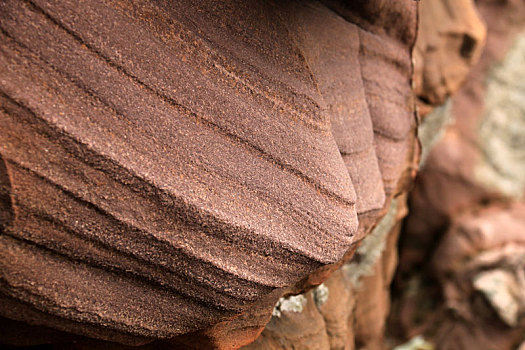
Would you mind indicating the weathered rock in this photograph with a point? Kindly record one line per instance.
(451, 37)
(480, 156)
(373, 289)
(473, 180)
(300, 325)
(169, 168)
(502, 126)
(340, 104)
(480, 264)
(353, 310)
(479, 267)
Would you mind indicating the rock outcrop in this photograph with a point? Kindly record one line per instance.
(451, 36)
(479, 157)
(349, 310)
(460, 281)
(170, 169)
(355, 311)
(479, 265)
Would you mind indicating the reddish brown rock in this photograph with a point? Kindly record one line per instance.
(466, 202)
(373, 289)
(479, 265)
(479, 157)
(341, 336)
(451, 37)
(169, 168)
(350, 308)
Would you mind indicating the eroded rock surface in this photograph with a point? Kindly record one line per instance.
(480, 264)
(170, 169)
(353, 310)
(451, 36)
(480, 155)
(467, 202)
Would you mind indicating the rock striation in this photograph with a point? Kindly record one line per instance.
(170, 169)
(349, 310)
(356, 310)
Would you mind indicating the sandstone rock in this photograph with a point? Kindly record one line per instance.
(451, 36)
(480, 263)
(479, 270)
(354, 313)
(479, 158)
(170, 169)
(470, 184)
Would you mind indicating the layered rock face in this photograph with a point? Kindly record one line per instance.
(356, 299)
(169, 170)
(350, 308)
(224, 175)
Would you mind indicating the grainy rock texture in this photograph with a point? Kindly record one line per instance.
(355, 303)
(358, 304)
(170, 169)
